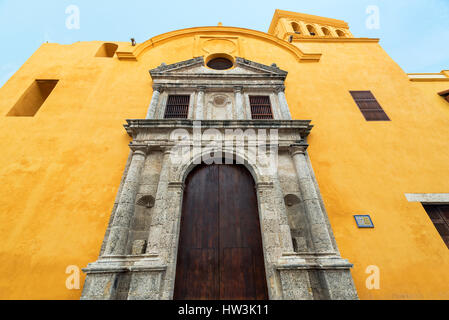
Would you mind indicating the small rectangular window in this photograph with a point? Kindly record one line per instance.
(107, 50)
(33, 98)
(439, 214)
(445, 94)
(260, 107)
(177, 107)
(368, 105)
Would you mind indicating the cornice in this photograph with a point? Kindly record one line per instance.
(136, 125)
(428, 77)
(334, 40)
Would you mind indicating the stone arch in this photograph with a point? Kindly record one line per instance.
(340, 33)
(296, 28)
(312, 30)
(326, 31)
(252, 166)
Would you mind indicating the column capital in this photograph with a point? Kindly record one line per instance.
(166, 150)
(201, 88)
(298, 148)
(238, 89)
(280, 89)
(158, 87)
(139, 150)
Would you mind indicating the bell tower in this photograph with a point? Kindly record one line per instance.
(288, 25)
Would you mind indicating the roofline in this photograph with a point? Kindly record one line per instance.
(135, 52)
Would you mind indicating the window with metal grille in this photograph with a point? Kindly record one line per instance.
(439, 214)
(260, 107)
(177, 107)
(368, 105)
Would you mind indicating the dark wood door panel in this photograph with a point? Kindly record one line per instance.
(200, 208)
(237, 274)
(197, 276)
(220, 252)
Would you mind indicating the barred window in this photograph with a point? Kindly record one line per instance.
(177, 107)
(260, 107)
(368, 105)
(439, 214)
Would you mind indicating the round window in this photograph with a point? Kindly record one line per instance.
(220, 64)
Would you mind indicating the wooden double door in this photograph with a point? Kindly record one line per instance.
(220, 255)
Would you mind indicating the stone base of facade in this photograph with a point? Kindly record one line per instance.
(301, 277)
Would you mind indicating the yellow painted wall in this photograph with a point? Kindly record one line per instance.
(60, 170)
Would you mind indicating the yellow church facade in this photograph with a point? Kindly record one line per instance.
(376, 144)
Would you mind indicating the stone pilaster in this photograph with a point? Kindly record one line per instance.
(240, 112)
(199, 114)
(118, 237)
(285, 232)
(151, 114)
(285, 111)
(336, 272)
(318, 226)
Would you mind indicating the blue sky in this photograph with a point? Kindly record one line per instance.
(414, 32)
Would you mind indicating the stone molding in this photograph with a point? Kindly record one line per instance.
(428, 198)
(137, 125)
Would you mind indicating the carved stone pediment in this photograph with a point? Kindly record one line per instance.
(244, 72)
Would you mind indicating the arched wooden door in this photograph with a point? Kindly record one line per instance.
(220, 255)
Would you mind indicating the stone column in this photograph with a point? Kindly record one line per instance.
(190, 115)
(151, 114)
(199, 114)
(240, 112)
(118, 237)
(285, 111)
(318, 226)
(159, 211)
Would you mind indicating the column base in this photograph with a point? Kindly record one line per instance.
(124, 277)
(316, 277)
